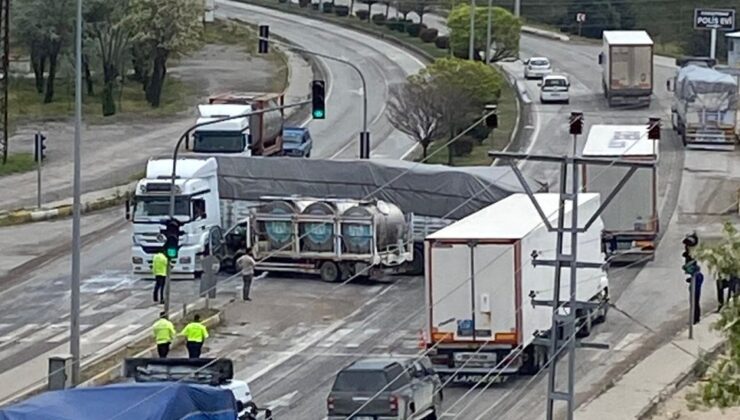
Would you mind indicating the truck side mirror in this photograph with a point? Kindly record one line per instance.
(128, 209)
(669, 85)
(601, 58)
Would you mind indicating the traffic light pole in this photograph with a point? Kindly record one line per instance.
(185, 136)
(39, 156)
(364, 135)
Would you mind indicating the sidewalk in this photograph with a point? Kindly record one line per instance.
(655, 376)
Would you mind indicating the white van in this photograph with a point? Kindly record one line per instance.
(554, 88)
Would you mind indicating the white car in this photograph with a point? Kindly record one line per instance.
(537, 67)
(554, 88)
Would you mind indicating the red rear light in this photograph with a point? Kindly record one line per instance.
(393, 400)
(330, 403)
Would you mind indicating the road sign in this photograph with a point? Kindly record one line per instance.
(720, 19)
(580, 17)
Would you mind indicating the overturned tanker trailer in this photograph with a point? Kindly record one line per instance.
(336, 218)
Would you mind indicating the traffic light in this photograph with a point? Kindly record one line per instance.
(171, 232)
(654, 129)
(576, 123)
(39, 147)
(264, 36)
(689, 242)
(318, 88)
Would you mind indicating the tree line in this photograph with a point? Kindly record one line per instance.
(118, 36)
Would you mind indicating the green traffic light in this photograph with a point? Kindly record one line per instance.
(172, 253)
(318, 113)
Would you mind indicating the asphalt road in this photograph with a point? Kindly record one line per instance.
(292, 351)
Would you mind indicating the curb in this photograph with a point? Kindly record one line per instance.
(114, 372)
(17, 217)
(545, 34)
(681, 380)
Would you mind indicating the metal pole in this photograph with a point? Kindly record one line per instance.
(471, 41)
(517, 8)
(713, 46)
(74, 342)
(37, 137)
(572, 289)
(692, 304)
(488, 33)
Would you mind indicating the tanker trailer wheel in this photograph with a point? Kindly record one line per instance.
(330, 272)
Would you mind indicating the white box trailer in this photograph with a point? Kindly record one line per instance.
(479, 277)
(627, 67)
(631, 219)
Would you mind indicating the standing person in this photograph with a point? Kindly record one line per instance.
(246, 265)
(164, 333)
(694, 271)
(159, 269)
(195, 334)
(722, 284)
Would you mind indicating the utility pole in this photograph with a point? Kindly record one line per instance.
(5, 64)
(471, 41)
(568, 322)
(74, 335)
(517, 7)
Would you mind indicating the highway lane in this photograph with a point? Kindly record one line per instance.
(382, 64)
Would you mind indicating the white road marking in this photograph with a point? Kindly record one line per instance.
(334, 338)
(18, 332)
(364, 336)
(630, 342)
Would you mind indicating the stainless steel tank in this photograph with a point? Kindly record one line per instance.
(390, 226)
(318, 236)
(279, 233)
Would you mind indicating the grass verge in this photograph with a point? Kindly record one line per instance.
(498, 139)
(17, 163)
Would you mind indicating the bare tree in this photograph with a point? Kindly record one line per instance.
(415, 110)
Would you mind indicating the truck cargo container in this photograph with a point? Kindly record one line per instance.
(627, 67)
(214, 194)
(480, 280)
(631, 222)
(256, 135)
(705, 105)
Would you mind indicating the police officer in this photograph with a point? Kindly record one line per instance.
(159, 269)
(195, 334)
(164, 333)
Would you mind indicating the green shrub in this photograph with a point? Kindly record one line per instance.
(463, 146)
(315, 6)
(341, 10)
(480, 133)
(442, 42)
(414, 29)
(378, 19)
(362, 14)
(428, 35)
(304, 3)
(328, 7)
(282, 1)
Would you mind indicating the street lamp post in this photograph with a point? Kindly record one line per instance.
(471, 41)
(488, 33)
(74, 334)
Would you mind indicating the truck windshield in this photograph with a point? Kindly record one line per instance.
(219, 142)
(147, 207)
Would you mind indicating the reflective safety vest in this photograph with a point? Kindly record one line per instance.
(159, 264)
(164, 331)
(195, 331)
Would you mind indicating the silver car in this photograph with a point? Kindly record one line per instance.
(537, 68)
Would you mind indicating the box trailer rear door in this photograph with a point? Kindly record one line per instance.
(473, 291)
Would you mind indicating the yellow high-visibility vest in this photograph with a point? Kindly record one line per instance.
(195, 331)
(164, 331)
(159, 264)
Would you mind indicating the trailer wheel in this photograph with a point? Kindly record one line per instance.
(416, 267)
(330, 272)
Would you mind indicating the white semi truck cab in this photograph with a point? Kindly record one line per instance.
(230, 136)
(196, 206)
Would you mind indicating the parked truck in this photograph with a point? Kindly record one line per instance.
(174, 401)
(631, 219)
(705, 104)
(480, 280)
(399, 201)
(256, 135)
(627, 67)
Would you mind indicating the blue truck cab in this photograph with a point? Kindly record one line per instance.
(297, 142)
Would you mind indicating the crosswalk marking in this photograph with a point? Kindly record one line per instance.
(120, 333)
(364, 336)
(64, 332)
(335, 337)
(17, 333)
(630, 342)
(392, 339)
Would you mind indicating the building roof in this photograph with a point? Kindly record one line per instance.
(511, 218)
(627, 38)
(619, 140)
